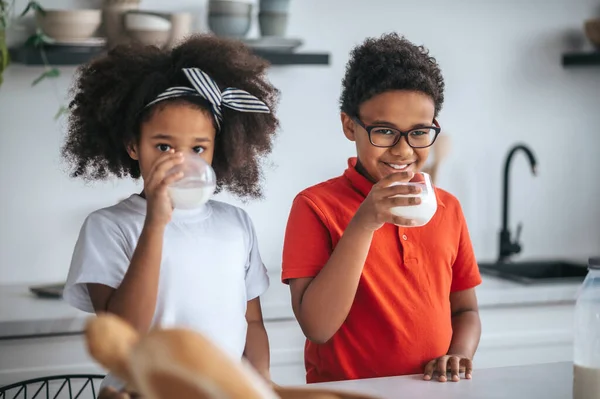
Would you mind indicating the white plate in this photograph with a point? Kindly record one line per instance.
(273, 43)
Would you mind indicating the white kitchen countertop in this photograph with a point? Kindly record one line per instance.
(545, 381)
(23, 314)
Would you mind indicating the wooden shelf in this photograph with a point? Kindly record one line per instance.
(281, 58)
(581, 59)
(56, 55)
(71, 55)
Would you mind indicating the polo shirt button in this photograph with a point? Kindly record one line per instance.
(404, 237)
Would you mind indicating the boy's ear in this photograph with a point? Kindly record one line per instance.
(349, 126)
(132, 150)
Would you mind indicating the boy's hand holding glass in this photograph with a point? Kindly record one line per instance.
(385, 195)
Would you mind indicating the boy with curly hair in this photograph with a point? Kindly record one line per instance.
(373, 298)
(135, 112)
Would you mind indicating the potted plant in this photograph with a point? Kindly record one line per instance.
(38, 39)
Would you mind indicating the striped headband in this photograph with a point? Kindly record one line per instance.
(204, 86)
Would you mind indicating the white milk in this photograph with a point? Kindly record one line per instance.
(422, 213)
(586, 383)
(189, 196)
(586, 339)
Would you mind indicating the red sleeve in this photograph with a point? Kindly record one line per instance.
(465, 271)
(307, 244)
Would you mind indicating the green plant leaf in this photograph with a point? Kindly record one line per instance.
(44, 38)
(26, 10)
(61, 111)
(38, 7)
(50, 73)
(3, 22)
(35, 40)
(33, 5)
(38, 39)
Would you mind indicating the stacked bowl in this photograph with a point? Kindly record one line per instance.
(273, 17)
(229, 18)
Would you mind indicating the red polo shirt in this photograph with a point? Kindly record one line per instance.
(400, 318)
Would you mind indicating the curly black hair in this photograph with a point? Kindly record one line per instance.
(389, 62)
(111, 92)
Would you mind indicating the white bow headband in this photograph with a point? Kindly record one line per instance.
(204, 86)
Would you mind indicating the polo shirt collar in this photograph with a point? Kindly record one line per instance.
(358, 181)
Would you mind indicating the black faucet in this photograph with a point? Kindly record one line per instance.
(507, 246)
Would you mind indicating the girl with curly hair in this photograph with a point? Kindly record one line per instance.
(135, 112)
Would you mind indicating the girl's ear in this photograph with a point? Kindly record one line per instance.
(348, 126)
(132, 150)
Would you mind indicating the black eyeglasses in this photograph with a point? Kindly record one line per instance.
(383, 136)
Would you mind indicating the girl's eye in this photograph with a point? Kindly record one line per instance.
(163, 147)
(198, 150)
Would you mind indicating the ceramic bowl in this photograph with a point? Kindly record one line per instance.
(230, 25)
(65, 25)
(229, 7)
(274, 6)
(140, 21)
(147, 37)
(272, 24)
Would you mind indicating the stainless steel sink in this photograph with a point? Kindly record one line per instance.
(536, 272)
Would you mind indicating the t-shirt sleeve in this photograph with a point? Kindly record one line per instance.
(465, 271)
(257, 279)
(100, 256)
(307, 244)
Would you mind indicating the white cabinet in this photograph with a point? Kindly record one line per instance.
(517, 335)
(511, 336)
(520, 335)
(287, 352)
(22, 359)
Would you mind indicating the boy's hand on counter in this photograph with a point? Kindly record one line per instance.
(453, 364)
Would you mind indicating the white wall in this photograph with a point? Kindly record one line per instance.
(501, 61)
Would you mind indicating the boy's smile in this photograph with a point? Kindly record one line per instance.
(398, 109)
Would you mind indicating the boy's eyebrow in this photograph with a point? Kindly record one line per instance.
(381, 122)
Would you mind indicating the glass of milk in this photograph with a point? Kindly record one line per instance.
(586, 357)
(197, 185)
(421, 214)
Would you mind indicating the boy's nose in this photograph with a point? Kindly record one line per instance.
(401, 149)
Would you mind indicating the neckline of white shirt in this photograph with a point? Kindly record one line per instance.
(138, 204)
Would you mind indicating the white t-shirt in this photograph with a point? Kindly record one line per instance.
(210, 268)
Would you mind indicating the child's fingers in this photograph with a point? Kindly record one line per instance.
(399, 189)
(403, 176)
(468, 363)
(442, 367)
(428, 371)
(454, 364)
(172, 178)
(159, 160)
(161, 168)
(401, 201)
